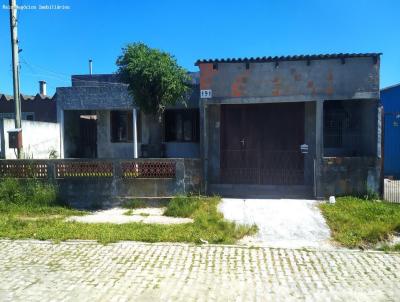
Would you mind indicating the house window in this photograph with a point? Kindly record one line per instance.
(349, 128)
(336, 120)
(122, 126)
(182, 125)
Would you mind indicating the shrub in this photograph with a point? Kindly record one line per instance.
(29, 191)
(10, 191)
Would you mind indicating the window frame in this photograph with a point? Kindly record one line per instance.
(129, 126)
(190, 114)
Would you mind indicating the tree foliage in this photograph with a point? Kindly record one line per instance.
(155, 79)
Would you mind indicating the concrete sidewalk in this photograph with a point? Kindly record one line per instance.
(132, 271)
(286, 223)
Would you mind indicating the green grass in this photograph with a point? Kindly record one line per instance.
(183, 206)
(134, 204)
(390, 248)
(21, 217)
(128, 213)
(356, 222)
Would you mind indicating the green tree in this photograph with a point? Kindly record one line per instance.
(155, 79)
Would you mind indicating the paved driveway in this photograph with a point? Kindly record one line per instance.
(288, 223)
(132, 271)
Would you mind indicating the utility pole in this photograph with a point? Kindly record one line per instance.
(15, 65)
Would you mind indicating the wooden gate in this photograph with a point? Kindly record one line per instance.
(260, 144)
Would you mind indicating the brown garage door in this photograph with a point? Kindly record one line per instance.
(260, 144)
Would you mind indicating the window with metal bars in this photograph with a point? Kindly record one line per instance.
(349, 128)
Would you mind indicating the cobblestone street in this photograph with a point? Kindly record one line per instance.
(87, 271)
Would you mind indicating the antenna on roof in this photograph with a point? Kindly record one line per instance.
(90, 66)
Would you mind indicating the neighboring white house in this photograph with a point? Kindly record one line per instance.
(40, 140)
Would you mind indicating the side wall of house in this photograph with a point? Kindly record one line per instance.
(391, 103)
(39, 139)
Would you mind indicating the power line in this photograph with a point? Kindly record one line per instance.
(62, 76)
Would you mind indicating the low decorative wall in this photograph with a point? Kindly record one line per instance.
(97, 183)
(351, 175)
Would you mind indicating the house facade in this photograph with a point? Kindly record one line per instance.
(99, 119)
(295, 125)
(308, 126)
(390, 97)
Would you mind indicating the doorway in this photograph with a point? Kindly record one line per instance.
(260, 144)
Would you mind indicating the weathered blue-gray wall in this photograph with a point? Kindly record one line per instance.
(350, 176)
(310, 79)
(324, 79)
(105, 147)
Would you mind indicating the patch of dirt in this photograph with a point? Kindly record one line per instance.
(120, 216)
(35, 218)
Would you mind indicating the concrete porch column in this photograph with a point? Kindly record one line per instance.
(319, 148)
(134, 130)
(204, 119)
(61, 122)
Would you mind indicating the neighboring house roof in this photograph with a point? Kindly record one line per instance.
(289, 58)
(25, 97)
(391, 87)
(7, 97)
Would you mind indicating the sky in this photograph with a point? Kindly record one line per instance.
(58, 43)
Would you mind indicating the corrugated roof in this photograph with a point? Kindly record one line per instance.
(289, 58)
(390, 87)
(25, 97)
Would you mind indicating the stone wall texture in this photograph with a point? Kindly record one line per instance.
(350, 176)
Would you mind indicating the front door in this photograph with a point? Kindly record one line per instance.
(88, 136)
(260, 144)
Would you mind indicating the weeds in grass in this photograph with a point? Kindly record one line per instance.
(356, 222)
(208, 225)
(128, 213)
(183, 206)
(389, 248)
(30, 191)
(133, 204)
(31, 198)
(29, 209)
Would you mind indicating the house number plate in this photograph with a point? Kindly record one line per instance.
(206, 94)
